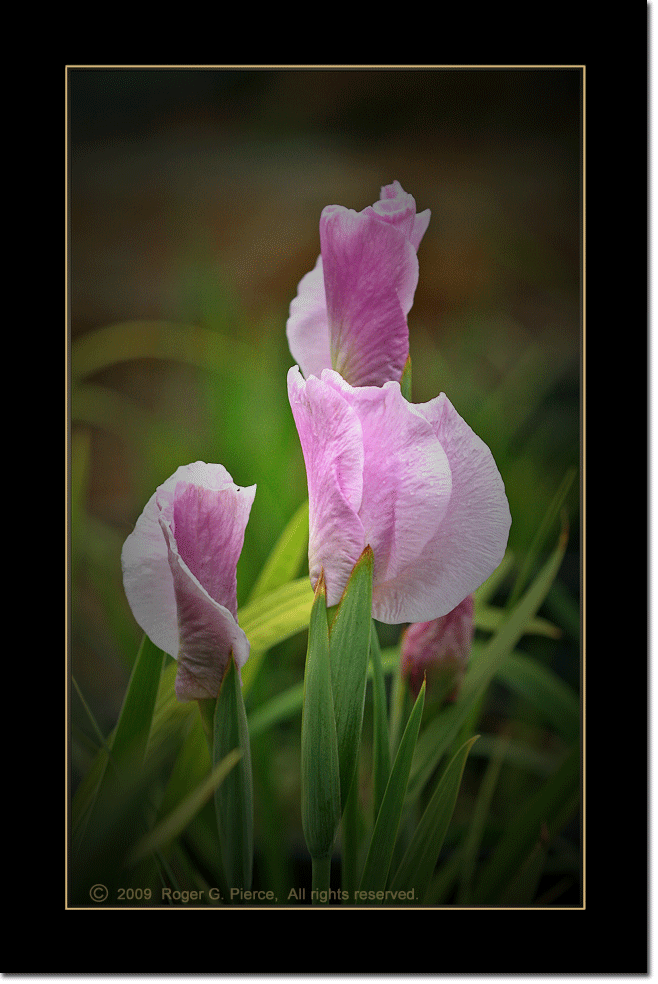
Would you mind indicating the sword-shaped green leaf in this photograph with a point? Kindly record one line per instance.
(171, 825)
(134, 724)
(484, 664)
(271, 618)
(234, 796)
(128, 743)
(421, 857)
(382, 843)
(556, 701)
(349, 646)
(320, 778)
(284, 561)
(405, 380)
(381, 742)
(536, 822)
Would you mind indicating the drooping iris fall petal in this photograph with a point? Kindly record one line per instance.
(179, 573)
(412, 481)
(350, 313)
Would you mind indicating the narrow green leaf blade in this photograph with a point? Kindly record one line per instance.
(484, 664)
(286, 557)
(170, 714)
(555, 699)
(127, 745)
(489, 619)
(271, 618)
(420, 859)
(487, 590)
(192, 765)
(320, 778)
(540, 819)
(234, 796)
(128, 340)
(136, 716)
(405, 380)
(381, 741)
(175, 822)
(516, 624)
(540, 536)
(382, 843)
(277, 615)
(470, 847)
(349, 648)
(289, 702)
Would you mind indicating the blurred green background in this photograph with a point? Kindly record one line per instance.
(194, 202)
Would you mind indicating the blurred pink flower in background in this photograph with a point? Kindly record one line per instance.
(439, 648)
(411, 480)
(179, 574)
(350, 312)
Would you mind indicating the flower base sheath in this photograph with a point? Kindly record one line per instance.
(179, 574)
(411, 480)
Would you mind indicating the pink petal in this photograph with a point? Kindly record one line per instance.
(331, 440)
(170, 601)
(406, 483)
(472, 537)
(307, 328)
(350, 310)
(208, 632)
(370, 275)
(421, 223)
(399, 208)
(413, 482)
(146, 575)
(209, 527)
(396, 207)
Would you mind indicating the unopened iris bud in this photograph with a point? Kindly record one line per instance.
(439, 649)
(179, 573)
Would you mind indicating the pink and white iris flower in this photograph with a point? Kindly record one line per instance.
(350, 312)
(179, 574)
(411, 480)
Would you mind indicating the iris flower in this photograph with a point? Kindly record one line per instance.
(411, 480)
(350, 312)
(439, 648)
(179, 574)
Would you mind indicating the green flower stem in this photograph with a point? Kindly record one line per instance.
(350, 853)
(321, 880)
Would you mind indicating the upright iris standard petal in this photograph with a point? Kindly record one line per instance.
(396, 206)
(308, 331)
(350, 313)
(370, 274)
(179, 573)
(412, 481)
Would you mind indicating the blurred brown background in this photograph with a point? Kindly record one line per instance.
(195, 197)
